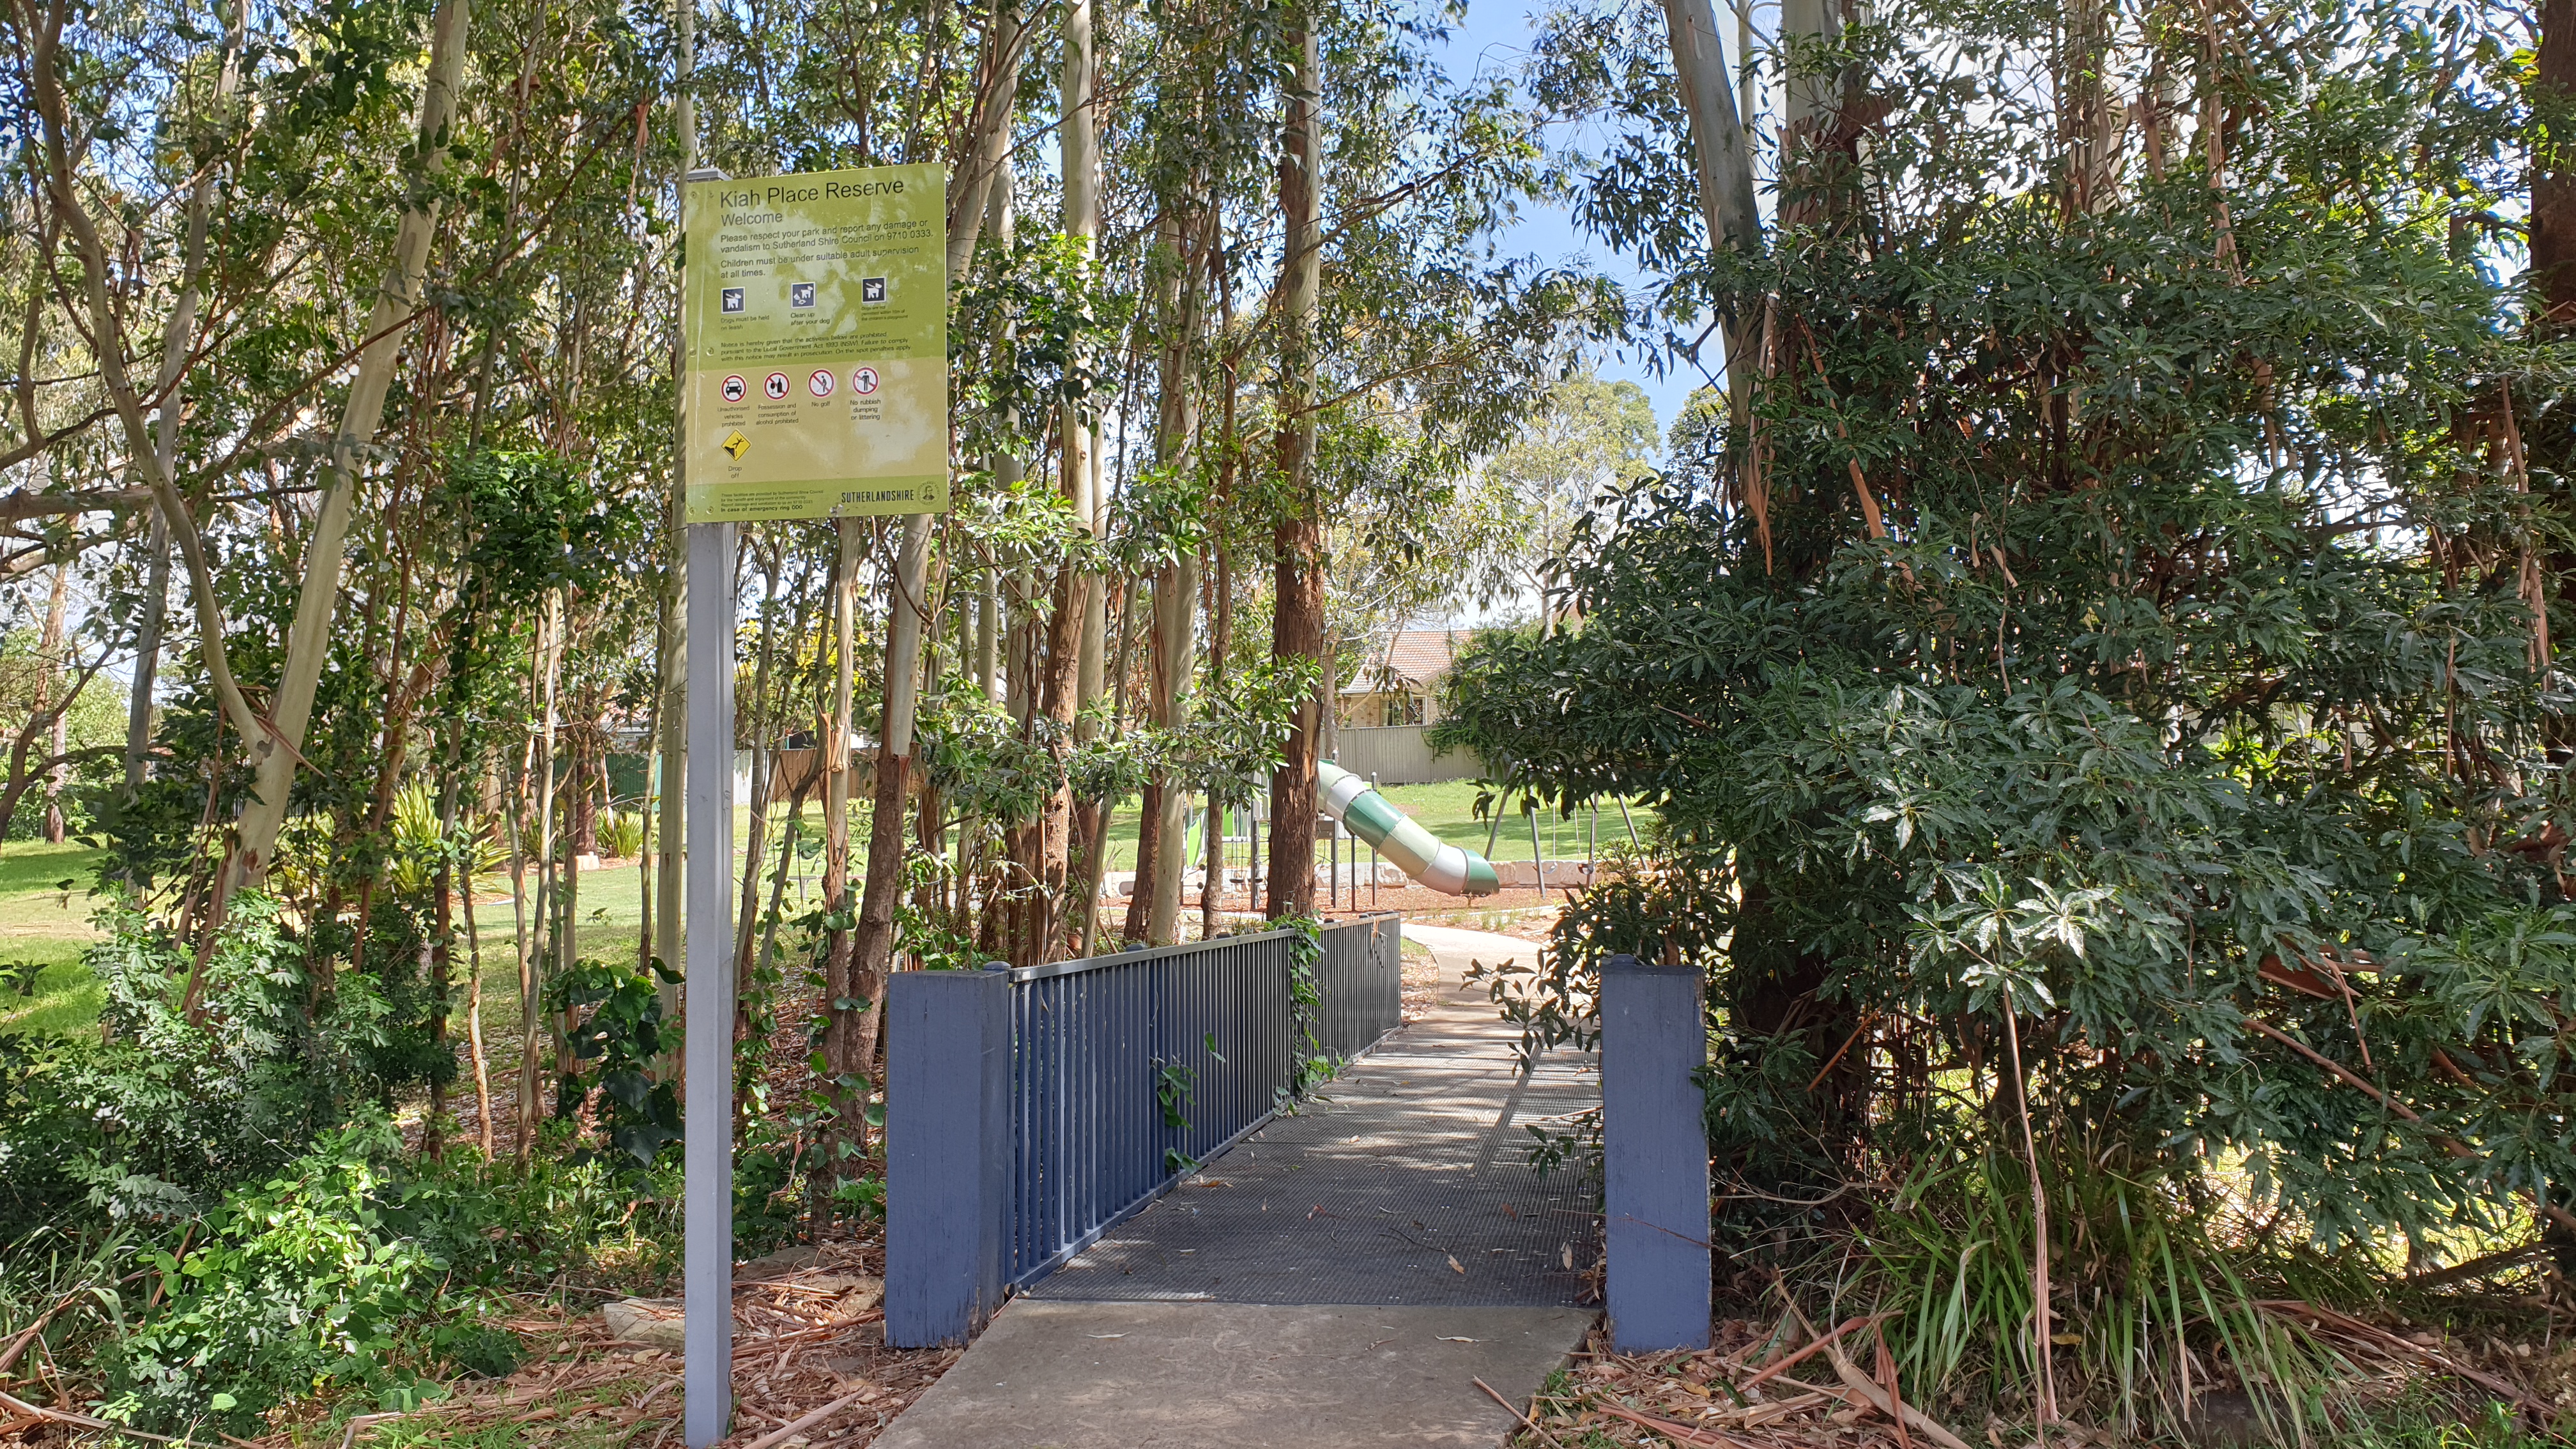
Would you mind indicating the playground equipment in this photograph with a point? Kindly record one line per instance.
(1372, 817)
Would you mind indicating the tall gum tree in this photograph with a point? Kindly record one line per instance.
(398, 303)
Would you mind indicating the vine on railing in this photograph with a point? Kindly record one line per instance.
(1174, 1086)
(1308, 1062)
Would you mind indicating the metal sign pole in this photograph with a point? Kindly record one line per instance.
(707, 1268)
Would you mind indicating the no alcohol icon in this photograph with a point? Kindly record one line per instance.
(775, 385)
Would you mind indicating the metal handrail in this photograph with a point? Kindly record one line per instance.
(1128, 958)
(1087, 1139)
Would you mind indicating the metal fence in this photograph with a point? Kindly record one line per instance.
(1360, 978)
(1127, 1071)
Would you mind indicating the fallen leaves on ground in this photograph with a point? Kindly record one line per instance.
(1721, 1398)
(809, 1329)
(1691, 1398)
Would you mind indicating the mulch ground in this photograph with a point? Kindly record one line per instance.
(1775, 1386)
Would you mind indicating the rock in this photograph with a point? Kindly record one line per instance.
(658, 1322)
(587, 860)
(786, 1260)
(863, 1294)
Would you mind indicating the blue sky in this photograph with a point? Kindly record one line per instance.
(1494, 37)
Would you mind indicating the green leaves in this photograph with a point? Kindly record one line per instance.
(2100, 621)
(622, 1032)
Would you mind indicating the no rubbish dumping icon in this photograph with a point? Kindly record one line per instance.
(864, 381)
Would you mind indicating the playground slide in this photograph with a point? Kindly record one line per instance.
(1416, 851)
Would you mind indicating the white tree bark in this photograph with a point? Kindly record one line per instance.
(989, 160)
(308, 639)
(1717, 133)
(1078, 140)
(671, 639)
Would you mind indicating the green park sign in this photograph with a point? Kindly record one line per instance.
(816, 320)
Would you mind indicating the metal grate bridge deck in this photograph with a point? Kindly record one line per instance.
(1405, 1181)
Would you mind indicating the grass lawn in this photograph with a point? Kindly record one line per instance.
(42, 925)
(1447, 810)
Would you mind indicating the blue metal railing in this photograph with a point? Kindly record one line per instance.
(1129, 1070)
(1360, 978)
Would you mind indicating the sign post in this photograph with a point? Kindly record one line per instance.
(814, 310)
(706, 1269)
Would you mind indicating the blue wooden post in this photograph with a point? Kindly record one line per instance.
(948, 1142)
(1655, 1149)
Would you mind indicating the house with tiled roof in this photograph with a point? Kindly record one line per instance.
(1398, 682)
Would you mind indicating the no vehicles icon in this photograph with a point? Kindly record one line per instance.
(734, 389)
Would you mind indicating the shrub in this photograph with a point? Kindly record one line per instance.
(173, 1105)
(300, 1286)
(621, 1032)
(355, 1268)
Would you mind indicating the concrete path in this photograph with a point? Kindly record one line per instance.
(1342, 1277)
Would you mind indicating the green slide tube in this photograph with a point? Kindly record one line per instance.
(1450, 869)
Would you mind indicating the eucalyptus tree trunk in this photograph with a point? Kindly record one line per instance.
(1297, 536)
(988, 165)
(440, 946)
(147, 653)
(106, 330)
(1078, 139)
(764, 768)
(474, 999)
(308, 638)
(524, 940)
(874, 938)
(670, 641)
(176, 335)
(2089, 120)
(990, 619)
(1156, 913)
(1724, 162)
(539, 941)
(50, 677)
(842, 1006)
(857, 964)
(2553, 170)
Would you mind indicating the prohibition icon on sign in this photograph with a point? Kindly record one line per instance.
(775, 385)
(864, 381)
(734, 389)
(820, 384)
